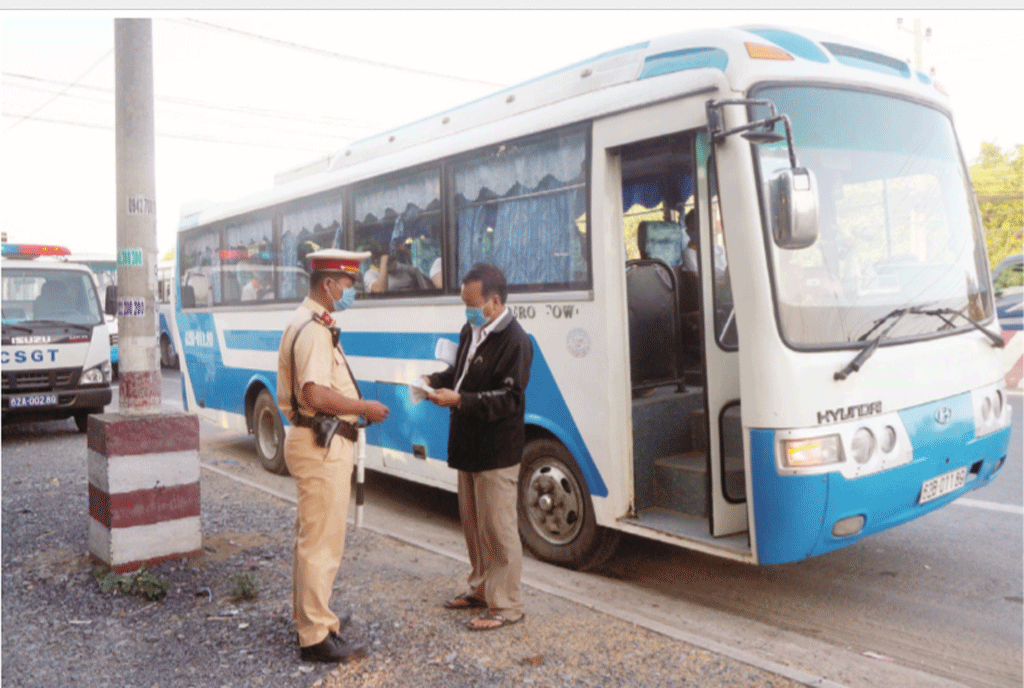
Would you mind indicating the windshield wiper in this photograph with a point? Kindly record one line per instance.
(997, 341)
(898, 314)
(865, 353)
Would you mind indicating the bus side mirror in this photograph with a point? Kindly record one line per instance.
(110, 300)
(794, 208)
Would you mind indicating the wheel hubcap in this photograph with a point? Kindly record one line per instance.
(554, 502)
(266, 434)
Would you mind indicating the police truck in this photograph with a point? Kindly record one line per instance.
(56, 347)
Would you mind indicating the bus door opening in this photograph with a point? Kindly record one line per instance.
(672, 439)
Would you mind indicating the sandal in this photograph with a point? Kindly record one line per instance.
(492, 617)
(465, 601)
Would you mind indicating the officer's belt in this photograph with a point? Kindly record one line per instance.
(345, 429)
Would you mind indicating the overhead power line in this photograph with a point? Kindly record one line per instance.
(246, 110)
(186, 137)
(58, 95)
(338, 56)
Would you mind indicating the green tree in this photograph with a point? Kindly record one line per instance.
(998, 179)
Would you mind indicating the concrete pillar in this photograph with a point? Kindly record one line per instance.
(143, 461)
(137, 319)
(143, 489)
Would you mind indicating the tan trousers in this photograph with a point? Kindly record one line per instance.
(323, 481)
(487, 507)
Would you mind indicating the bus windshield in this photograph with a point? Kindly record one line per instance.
(897, 228)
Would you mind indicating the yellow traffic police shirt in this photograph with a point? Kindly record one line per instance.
(316, 360)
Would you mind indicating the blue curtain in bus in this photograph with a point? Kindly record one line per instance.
(672, 188)
(299, 226)
(518, 208)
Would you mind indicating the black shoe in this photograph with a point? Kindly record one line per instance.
(343, 621)
(332, 649)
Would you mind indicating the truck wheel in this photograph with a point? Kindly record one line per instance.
(556, 514)
(268, 431)
(82, 419)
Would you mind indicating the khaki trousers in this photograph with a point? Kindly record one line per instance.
(487, 507)
(323, 481)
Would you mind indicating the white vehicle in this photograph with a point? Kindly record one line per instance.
(56, 350)
(830, 371)
(104, 269)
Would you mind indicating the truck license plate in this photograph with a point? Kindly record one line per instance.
(942, 485)
(34, 400)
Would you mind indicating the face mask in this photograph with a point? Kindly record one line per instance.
(347, 297)
(475, 316)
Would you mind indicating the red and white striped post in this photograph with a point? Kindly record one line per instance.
(143, 461)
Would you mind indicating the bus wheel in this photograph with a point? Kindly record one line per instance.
(268, 431)
(168, 359)
(556, 515)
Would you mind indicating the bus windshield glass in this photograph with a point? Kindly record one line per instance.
(66, 296)
(897, 228)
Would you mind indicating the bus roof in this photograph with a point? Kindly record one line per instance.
(658, 68)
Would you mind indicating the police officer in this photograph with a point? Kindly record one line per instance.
(314, 378)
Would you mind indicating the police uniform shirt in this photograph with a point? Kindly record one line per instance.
(316, 360)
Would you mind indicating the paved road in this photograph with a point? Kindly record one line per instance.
(941, 596)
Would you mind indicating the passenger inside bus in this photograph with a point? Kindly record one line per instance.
(393, 270)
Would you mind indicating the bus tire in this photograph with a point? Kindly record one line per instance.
(556, 514)
(168, 359)
(268, 432)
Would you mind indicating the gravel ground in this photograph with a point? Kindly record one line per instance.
(60, 629)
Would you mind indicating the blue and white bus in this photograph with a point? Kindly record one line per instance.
(750, 261)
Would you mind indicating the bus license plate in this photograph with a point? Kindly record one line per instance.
(34, 400)
(942, 485)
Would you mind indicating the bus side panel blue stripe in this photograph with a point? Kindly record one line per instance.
(787, 509)
(545, 404)
(419, 346)
(255, 340)
(407, 424)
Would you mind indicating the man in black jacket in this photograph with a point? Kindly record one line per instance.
(486, 392)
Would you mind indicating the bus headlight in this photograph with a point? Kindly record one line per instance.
(888, 441)
(813, 451)
(862, 446)
(990, 410)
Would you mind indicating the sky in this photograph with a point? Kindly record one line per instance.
(242, 95)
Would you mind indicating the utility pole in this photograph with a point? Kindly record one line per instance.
(143, 462)
(919, 39)
(139, 364)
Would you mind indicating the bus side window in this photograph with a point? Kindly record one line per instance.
(307, 226)
(522, 206)
(399, 222)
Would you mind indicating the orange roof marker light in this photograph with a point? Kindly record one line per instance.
(32, 250)
(760, 51)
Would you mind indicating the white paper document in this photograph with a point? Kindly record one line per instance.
(445, 351)
(418, 390)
